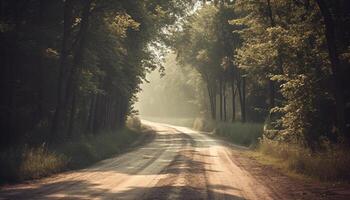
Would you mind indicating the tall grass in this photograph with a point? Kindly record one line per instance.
(246, 134)
(239, 133)
(329, 164)
(25, 163)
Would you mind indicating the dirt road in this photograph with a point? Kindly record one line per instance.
(178, 164)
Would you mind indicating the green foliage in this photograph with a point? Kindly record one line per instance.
(206, 43)
(74, 67)
(287, 47)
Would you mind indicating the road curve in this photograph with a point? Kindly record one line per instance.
(178, 164)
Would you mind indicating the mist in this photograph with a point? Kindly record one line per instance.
(174, 94)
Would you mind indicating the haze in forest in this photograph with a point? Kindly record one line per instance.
(171, 93)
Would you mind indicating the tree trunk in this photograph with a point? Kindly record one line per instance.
(224, 96)
(73, 81)
(271, 83)
(72, 116)
(38, 114)
(233, 99)
(95, 125)
(239, 90)
(243, 110)
(61, 92)
(89, 125)
(330, 31)
(221, 99)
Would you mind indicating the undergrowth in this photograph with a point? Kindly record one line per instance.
(331, 163)
(23, 163)
(246, 134)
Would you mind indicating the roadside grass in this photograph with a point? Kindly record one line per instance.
(246, 134)
(330, 164)
(25, 163)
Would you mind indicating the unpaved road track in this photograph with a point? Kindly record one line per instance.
(178, 164)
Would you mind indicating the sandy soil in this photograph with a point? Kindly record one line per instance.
(178, 163)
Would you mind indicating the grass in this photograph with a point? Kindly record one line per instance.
(330, 164)
(25, 163)
(246, 134)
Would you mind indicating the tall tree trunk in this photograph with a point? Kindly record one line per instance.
(271, 82)
(233, 98)
(73, 81)
(239, 90)
(72, 116)
(221, 99)
(271, 94)
(224, 96)
(331, 32)
(61, 92)
(243, 108)
(89, 125)
(212, 96)
(96, 117)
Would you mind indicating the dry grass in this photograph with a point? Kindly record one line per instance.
(330, 164)
(39, 162)
(23, 163)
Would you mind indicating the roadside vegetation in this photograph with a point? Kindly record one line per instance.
(246, 134)
(329, 164)
(275, 64)
(70, 72)
(24, 163)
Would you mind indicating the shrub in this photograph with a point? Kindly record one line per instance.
(39, 162)
(133, 122)
(30, 163)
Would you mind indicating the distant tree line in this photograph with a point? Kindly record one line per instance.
(73, 67)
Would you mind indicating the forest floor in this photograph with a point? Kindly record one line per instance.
(177, 163)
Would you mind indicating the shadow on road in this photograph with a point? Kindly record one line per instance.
(82, 190)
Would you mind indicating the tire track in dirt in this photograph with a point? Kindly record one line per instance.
(185, 176)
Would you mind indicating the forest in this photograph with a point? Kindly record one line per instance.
(74, 68)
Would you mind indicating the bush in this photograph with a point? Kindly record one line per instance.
(133, 122)
(30, 163)
(329, 164)
(240, 133)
